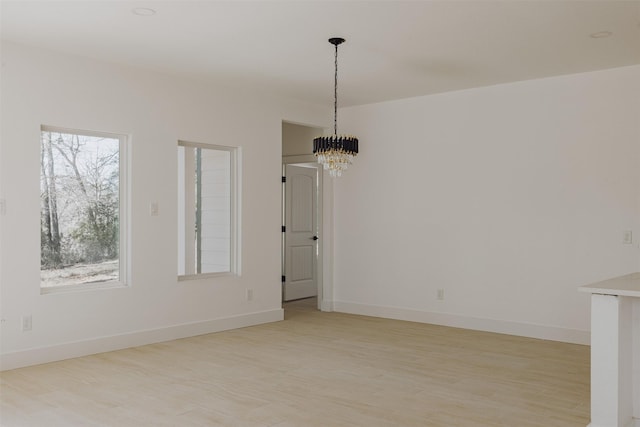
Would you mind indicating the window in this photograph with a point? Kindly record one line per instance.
(82, 221)
(207, 209)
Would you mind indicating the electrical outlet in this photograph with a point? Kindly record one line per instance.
(153, 208)
(249, 294)
(627, 237)
(441, 294)
(26, 323)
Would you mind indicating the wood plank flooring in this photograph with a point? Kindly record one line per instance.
(313, 369)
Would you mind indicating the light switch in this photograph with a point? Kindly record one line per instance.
(153, 209)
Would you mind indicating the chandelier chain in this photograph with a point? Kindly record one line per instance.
(335, 95)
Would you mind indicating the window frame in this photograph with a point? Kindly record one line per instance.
(124, 204)
(234, 206)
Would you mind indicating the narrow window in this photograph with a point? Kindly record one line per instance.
(206, 209)
(81, 208)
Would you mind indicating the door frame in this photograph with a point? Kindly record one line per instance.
(311, 162)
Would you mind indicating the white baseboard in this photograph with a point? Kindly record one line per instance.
(36, 356)
(545, 332)
(633, 423)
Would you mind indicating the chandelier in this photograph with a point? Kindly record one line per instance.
(335, 152)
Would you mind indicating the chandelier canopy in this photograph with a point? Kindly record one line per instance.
(335, 152)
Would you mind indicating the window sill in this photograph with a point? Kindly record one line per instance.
(188, 277)
(82, 287)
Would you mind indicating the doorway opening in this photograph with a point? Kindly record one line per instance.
(301, 216)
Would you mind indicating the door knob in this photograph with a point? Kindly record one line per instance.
(315, 238)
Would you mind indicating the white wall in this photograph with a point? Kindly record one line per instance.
(297, 140)
(40, 87)
(507, 197)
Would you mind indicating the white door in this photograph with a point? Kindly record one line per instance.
(301, 233)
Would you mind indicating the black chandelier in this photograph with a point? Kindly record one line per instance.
(335, 152)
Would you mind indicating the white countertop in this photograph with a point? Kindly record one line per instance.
(627, 286)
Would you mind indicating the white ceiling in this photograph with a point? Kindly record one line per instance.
(394, 49)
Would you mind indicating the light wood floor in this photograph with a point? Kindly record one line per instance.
(313, 369)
